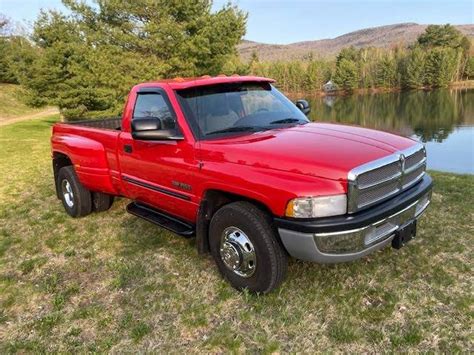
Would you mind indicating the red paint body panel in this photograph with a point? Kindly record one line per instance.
(159, 164)
(271, 167)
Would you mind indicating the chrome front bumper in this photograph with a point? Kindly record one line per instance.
(348, 245)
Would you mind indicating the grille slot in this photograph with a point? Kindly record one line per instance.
(379, 180)
(414, 159)
(367, 196)
(413, 176)
(379, 175)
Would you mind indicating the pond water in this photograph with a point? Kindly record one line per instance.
(442, 119)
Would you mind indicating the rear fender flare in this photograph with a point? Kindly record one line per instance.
(86, 155)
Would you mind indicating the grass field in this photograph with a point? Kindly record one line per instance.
(112, 282)
(12, 104)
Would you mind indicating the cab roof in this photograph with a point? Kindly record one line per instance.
(186, 83)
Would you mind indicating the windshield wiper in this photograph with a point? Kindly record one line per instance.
(287, 120)
(237, 129)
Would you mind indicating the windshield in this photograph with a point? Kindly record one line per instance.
(230, 109)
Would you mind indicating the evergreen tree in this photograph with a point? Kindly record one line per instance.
(440, 66)
(367, 64)
(348, 53)
(441, 36)
(386, 72)
(296, 75)
(90, 58)
(235, 66)
(6, 71)
(413, 69)
(313, 76)
(347, 74)
(253, 60)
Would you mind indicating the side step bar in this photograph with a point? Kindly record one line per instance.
(162, 219)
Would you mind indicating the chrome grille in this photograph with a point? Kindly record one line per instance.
(381, 179)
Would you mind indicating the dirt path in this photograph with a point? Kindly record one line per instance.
(45, 113)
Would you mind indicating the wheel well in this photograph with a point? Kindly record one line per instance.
(60, 160)
(212, 201)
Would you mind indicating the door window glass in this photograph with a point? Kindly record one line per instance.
(154, 105)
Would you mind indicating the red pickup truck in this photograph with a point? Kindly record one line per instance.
(233, 162)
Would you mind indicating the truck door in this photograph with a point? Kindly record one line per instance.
(158, 173)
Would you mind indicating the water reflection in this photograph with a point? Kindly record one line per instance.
(443, 119)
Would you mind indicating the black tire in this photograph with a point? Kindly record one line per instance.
(101, 202)
(271, 258)
(81, 202)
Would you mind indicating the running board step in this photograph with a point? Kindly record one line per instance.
(161, 219)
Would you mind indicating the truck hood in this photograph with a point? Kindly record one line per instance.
(317, 149)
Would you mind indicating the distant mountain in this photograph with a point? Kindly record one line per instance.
(382, 37)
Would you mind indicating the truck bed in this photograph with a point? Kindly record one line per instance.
(114, 123)
(91, 146)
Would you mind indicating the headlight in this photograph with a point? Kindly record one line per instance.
(311, 207)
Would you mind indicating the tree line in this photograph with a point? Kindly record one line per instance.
(440, 56)
(85, 61)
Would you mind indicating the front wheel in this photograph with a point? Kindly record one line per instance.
(76, 198)
(246, 249)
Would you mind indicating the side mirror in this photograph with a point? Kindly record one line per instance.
(303, 105)
(150, 129)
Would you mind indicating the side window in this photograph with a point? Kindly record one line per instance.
(154, 105)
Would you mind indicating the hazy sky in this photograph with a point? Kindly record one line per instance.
(286, 21)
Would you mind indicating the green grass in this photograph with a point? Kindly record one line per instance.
(12, 104)
(110, 281)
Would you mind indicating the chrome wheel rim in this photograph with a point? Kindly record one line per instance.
(237, 252)
(67, 193)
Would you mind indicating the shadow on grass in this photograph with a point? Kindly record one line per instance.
(138, 236)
